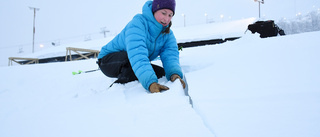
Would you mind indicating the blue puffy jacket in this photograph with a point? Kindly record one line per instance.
(144, 40)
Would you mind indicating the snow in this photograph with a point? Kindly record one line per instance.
(259, 87)
(248, 87)
(183, 34)
(220, 30)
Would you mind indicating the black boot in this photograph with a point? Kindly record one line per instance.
(126, 75)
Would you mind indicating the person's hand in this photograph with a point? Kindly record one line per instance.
(175, 76)
(156, 88)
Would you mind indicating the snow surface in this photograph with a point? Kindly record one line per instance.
(183, 34)
(248, 87)
(220, 30)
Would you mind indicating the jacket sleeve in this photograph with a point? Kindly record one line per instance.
(135, 39)
(170, 57)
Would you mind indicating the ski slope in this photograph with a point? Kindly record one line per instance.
(183, 34)
(248, 87)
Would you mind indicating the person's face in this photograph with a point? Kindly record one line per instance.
(163, 16)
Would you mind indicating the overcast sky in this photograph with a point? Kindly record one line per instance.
(63, 20)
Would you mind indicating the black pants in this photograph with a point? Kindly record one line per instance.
(117, 65)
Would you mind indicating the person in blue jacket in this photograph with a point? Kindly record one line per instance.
(128, 56)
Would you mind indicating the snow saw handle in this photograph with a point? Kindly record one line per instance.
(80, 72)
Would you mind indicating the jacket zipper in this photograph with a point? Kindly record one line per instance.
(154, 46)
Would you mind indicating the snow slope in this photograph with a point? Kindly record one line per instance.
(220, 30)
(47, 100)
(183, 34)
(258, 87)
(248, 87)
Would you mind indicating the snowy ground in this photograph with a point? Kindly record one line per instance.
(249, 87)
(219, 30)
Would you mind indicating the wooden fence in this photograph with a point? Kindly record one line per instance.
(29, 60)
(88, 52)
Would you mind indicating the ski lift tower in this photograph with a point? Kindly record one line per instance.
(260, 1)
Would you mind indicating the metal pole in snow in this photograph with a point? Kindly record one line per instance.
(34, 25)
(259, 9)
(260, 1)
(184, 20)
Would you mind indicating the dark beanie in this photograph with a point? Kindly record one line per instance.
(163, 4)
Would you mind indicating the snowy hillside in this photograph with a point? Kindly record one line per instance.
(183, 34)
(249, 87)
